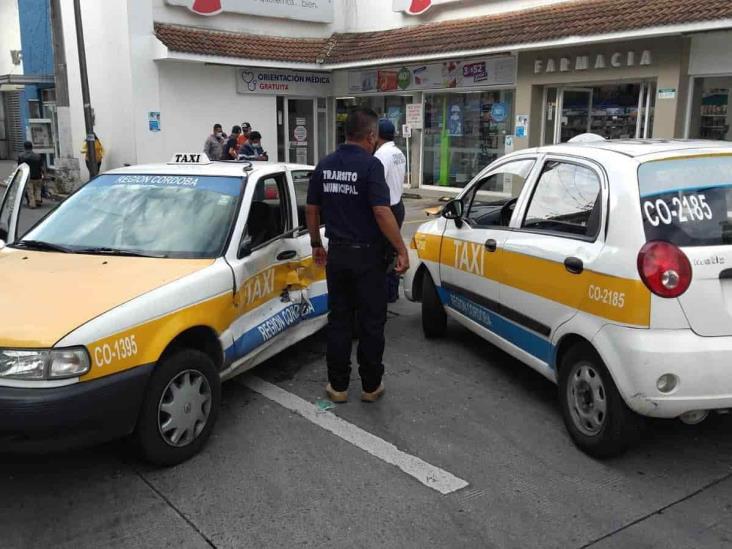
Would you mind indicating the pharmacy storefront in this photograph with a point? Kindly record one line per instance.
(453, 117)
(622, 90)
(709, 112)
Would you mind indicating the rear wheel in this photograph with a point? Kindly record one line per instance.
(595, 414)
(434, 319)
(180, 408)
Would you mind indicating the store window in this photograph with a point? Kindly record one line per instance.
(463, 133)
(711, 117)
(614, 111)
(393, 107)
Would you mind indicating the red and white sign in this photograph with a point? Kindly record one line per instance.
(320, 11)
(418, 7)
(206, 7)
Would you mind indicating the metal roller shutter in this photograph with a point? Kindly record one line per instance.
(13, 125)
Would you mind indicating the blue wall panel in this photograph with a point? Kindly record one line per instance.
(35, 41)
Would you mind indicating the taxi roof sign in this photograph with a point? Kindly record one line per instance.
(190, 158)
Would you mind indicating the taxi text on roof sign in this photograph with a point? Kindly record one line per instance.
(190, 158)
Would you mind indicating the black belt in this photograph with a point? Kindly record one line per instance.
(349, 244)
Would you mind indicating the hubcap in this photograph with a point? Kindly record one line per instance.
(587, 399)
(184, 408)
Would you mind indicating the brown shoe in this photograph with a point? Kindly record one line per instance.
(339, 397)
(374, 396)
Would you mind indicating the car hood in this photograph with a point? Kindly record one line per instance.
(46, 295)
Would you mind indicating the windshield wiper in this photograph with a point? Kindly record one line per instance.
(41, 245)
(115, 251)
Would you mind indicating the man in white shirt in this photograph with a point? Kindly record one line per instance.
(395, 170)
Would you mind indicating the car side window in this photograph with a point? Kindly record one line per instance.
(269, 213)
(301, 180)
(490, 203)
(567, 199)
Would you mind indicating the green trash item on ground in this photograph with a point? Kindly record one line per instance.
(324, 405)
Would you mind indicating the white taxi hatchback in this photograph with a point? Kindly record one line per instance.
(606, 266)
(125, 308)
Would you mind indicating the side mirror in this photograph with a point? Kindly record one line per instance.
(454, 210)
(245, 248)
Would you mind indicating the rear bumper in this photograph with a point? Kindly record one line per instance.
(75, 415)
(637, 358)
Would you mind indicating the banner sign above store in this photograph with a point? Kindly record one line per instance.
(491, 71)
(250, 81)
(417, 7)
(593, 62)
(320, 11)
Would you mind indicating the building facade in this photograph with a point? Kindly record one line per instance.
(464, 81)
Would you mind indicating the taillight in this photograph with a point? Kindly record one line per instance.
(664, 268)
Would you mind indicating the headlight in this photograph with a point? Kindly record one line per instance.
(43, 364)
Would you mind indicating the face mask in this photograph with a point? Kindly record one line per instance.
(219, 134)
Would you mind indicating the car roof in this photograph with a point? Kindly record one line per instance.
(640, 148)
(214, 168)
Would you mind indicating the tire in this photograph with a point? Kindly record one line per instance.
(596, 416)
(434, 318)
(188, 375)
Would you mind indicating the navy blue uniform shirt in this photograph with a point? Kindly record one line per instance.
(346, 185)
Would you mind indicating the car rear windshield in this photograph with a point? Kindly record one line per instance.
(177, 216)
(687, 201)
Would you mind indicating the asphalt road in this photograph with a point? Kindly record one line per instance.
(271, 478)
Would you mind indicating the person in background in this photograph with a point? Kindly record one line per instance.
(395, 171)
(231, 149)
(214, 145)
(246, 129)
(253, 150)
(98, 149)
(37, 171)
(348, 188)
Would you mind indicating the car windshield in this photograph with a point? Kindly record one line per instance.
(155, 215)
(687, 201)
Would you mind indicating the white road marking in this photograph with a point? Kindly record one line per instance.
(429, 475)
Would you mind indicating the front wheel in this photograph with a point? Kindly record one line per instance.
(597, 418)
(434, 318)
(180, 408)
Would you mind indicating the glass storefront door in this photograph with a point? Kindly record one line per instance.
(576, 112)
(301, 132)
(614, 111)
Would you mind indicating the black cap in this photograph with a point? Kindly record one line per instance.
(386, 129)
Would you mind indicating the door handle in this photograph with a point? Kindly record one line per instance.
(491, 245)
(574, 265)
(287, 254)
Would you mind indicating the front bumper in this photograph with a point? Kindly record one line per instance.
(636, 359)
(80, 414)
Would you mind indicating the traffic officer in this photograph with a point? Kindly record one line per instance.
(349, 190)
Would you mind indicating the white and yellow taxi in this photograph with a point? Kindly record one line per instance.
(606, 266)
(125, 308)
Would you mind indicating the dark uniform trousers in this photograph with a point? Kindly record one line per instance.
(356, 282)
